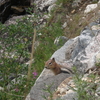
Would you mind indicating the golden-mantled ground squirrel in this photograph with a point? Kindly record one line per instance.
(56, 68)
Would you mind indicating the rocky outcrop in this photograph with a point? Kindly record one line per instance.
(80, 52)
(44, 82)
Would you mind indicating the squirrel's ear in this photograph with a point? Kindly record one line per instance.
(53, 59)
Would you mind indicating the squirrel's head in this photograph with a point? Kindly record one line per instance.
(50, 64)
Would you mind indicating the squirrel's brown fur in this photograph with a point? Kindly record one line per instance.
(56, 68)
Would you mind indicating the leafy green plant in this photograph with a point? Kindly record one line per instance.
(50, 93)
(48, 90)
(15, 48)
(15, 42)
(85, 89)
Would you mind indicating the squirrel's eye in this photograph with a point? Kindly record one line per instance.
(50, 63)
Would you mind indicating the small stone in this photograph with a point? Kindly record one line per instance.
(67, 16)
(51, 7)
(95, 27)
(62, 91)
(1, 88)
(71, 19)
(46, 16)
(97, 58)
(76, 3)
(98, 91)
(64, 25)
(73, 11)
(90, 8)
(59, 41)
(39, 34)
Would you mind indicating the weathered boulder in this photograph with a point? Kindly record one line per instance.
(80, 52)
(86, 50)
(43, 82)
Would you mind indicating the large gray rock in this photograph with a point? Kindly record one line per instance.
(82, 52)
(85, 52)
(46, 79)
